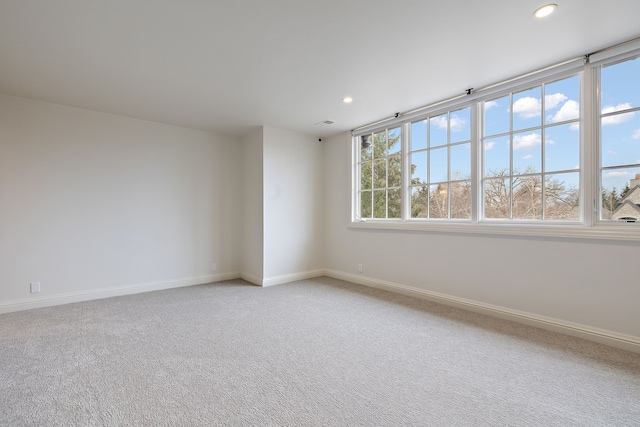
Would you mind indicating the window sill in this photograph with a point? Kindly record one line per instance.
(622, 232)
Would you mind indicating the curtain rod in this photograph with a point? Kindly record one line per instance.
(480, 91)
(467, 92)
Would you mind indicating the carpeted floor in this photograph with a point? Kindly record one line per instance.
(318, 352)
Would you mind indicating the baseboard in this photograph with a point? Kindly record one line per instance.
(613, 339)
(71, 297)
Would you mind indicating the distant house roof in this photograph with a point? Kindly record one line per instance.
(633, 195)
(629, 209)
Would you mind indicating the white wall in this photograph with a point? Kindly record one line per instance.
(92, 201)
(94, 205)
(252, 212)
(293, 210)
(583, 282)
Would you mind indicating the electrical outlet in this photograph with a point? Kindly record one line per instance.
(359, 268)
(35, 287)
(214, 267)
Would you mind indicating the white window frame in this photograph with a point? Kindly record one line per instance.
(618, 54)
(543, 128)
(407, 126)
(356, 201)
(589, 226)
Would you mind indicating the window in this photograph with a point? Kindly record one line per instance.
(441, 166)
(555, 152)
(531, 153)
(620, 136)
(380, 166)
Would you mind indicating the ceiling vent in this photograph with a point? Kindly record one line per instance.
(325, 123)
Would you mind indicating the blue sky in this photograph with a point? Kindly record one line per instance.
(558, 112)
(620, 133)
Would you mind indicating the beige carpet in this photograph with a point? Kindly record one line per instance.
(319, 352)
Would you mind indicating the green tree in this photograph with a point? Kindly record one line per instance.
(381, 175)
(610, 202)
(625, 191)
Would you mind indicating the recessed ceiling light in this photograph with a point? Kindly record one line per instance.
(545, 10)
(347, 99)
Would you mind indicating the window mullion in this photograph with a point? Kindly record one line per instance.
(405, 208)
(511, 201)
(476, 163)
(589, 155)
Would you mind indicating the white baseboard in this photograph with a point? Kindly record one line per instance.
(627, 342)
(613, 339)
(70, 297)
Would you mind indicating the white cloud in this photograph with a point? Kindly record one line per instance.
(457, 123)
(490, 104)
(528, 157)
(489, 145)
(613, 153)
(570, 110)
(636, 134)
(617, 119)
(575, 126)
(553, 100)
(527, 107)
(618, 174)
(525, 142)
(440, 121)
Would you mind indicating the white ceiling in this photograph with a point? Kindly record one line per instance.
(229, 66)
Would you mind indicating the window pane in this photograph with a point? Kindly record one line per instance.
(496, 116)
(380, 144)
(460, 162)
(365, 176)
(621, 139)
(562, 196)
(380, 203)
(496, 156)
(620, 88)
(562, 148)
(379, 173)
(439, 201)
(419, 135)
(562, 100)
(497, 199)
(365, 204)
(394, 203)
(620, 142)
(460, 125)
(438, 131)
(419, 199)
(527, 152)
(460, 199)
(618, 189)
(395, 143)
(527, 197)
(438, 165)
(419, 167)
(527, 109)
(395, 172)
